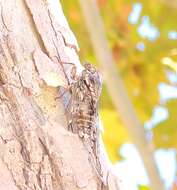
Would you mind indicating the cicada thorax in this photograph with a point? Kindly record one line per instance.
(83, 111)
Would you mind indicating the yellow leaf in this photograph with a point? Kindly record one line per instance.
(169, 62)
(114, 134)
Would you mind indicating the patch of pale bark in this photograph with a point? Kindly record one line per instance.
(36, 149)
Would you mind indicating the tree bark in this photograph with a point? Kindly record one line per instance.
(36, 149)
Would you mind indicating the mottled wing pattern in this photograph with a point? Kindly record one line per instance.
(85, 93)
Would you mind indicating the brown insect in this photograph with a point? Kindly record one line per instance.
(85, 93)
(84, 120)
(83, 117)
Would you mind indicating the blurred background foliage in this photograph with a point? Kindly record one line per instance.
(143, 38)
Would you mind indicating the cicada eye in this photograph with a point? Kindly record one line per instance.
(89, 68)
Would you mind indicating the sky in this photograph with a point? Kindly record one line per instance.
(133, 174)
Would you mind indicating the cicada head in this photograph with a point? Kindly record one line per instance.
(92, 80)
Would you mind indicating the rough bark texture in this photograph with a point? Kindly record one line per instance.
(36, 149)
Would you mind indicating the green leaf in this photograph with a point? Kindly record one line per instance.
(165, 133)
(143, 187)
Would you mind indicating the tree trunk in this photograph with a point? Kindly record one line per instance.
(36, 149)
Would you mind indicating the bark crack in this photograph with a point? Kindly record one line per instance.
(35, 29)
(5, 141)
(58, 58)
(63, 38)
(52, 163)
(2, 18)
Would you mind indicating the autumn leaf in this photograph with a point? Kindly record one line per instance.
(165, 133)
